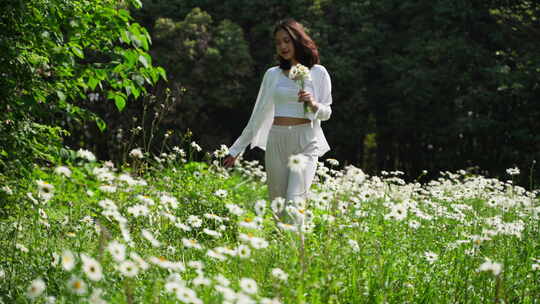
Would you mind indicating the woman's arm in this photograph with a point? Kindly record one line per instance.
(247, 134)
(320, 107)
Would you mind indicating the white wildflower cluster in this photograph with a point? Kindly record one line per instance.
(7, 190)
(136, 153)
(196, 146)
(87, 155)
(221, 152)
(297, 162)
(63, 171)
(299, 72)
(180, 154)
(490, 266)
(513, 171)
(45, 190)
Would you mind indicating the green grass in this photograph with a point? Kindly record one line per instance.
(352, 248)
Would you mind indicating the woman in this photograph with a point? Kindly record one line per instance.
(279, 123)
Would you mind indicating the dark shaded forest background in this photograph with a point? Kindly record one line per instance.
(417, 85)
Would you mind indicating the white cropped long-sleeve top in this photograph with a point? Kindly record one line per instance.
(262, 116)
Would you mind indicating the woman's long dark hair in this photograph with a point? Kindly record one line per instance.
(305, 49)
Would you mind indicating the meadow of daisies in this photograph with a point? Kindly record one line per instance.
(171, 230)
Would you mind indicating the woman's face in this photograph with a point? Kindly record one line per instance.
(284, 45)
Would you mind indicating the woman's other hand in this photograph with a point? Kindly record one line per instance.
(229, 161)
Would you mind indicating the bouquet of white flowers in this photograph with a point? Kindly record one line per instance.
(300, 73)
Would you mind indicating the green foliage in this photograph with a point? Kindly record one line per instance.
(55, 53)
(208, 64)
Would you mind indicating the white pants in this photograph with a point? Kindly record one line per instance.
(284, 141)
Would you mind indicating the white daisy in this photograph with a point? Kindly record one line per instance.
(489, 265)
(35, 289)
(174, 286)
(138, 210)
(194, 221)
(45, 190)
(150, 237)
(248, 285)
(221, 193)
(235, 209)
(279, 274)
(287, 227)
(183, 226)
(63, 170)
(68, 260)
(85, 154)
(95, 297)
(169, 200)
(191, 243)
(297, 162)
(140, 261)
(91, 268)
(260, 207)
(107, 188)
(228, 294)
(431, 257)
(186, 294)
(216, 255)
(196, 146)
(117, 250)
(128, 268)
(513, 171)
(136, 153)
(221, 152)
(215, 217)
(248, 223)
(277, 205)
(243, 251)
(201, 280)
(107, 204)
(197, 265)
(332, 161)
(212, 233)
(354, 245)
(222, 280)
(397, 212)
(77, 285)
(414, 224)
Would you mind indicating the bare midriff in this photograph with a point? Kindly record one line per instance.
(289, 121)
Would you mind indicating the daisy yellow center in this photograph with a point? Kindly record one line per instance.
(248, 220)
(77, 285)
(162, 259)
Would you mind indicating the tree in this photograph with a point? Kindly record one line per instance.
(55, 54)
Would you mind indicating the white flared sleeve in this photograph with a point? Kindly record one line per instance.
(247, 134)
(325, 100)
